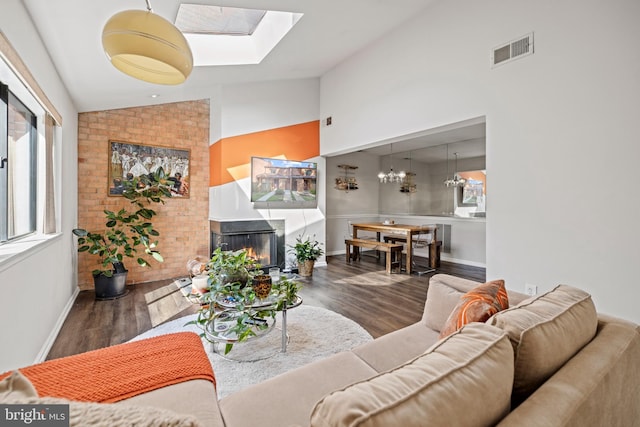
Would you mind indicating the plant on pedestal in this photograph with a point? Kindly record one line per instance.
(127, 232)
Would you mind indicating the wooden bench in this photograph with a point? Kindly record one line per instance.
(393, 251)
(434, 248)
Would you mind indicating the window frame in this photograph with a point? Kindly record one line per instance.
(14, 86)
(8, 99)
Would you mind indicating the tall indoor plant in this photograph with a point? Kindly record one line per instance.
(307, 251)
(127, 233)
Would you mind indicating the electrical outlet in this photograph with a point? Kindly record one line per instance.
(530, 289)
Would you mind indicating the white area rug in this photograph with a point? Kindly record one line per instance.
(314, 333)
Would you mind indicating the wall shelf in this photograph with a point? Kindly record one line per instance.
(347, 181)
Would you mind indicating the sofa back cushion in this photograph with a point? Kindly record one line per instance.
(463, 380)
(441, 300)
(546, 331)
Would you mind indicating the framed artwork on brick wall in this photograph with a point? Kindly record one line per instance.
(129, 160)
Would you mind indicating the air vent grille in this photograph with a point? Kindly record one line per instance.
(515, 49)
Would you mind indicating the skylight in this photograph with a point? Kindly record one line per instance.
(203, 19)
(231, 36)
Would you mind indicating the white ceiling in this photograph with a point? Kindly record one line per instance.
(329, 32)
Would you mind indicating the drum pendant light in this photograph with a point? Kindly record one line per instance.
(147, 46)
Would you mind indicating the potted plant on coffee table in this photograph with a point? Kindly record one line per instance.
(233, 311)
(307, 251)
(127, 233)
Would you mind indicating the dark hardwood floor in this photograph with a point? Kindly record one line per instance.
(361, 291)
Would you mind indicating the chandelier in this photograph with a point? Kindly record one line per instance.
(391, 176)
(456, 181)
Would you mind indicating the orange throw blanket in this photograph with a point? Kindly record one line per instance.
(115, 373)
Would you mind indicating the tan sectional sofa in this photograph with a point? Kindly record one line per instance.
(551, 360)
(570, 366)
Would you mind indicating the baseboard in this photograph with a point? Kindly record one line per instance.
(463, 261)
(46, 347)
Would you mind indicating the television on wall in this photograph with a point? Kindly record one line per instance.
(283, 183)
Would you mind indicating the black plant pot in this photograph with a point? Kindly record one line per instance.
(110, 287)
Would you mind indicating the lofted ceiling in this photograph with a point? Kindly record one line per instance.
(329, 32)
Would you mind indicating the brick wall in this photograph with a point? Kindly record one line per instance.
(183, 223)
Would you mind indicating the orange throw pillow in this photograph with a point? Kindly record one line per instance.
(477, 305)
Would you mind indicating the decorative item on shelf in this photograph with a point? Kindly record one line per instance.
(147, 46)
(408, 186)
(391, 176)
(307, 252)
(346, 182)
(456, 181)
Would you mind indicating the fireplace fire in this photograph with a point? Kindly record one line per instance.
(262, 239)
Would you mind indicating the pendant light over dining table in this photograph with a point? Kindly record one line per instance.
(147, 46)
(391, 176)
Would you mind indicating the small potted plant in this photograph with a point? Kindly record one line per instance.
(127, 233)
(232, 267)
(307, 252)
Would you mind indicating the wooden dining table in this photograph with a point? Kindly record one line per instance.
(406, 230)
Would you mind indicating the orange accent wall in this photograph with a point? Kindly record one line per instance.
(230, 158)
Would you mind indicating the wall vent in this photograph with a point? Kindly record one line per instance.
(515, 49)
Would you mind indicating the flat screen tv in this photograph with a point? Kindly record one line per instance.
(282, 183)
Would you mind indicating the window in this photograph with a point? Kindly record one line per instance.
(30, 129)
(18, 166)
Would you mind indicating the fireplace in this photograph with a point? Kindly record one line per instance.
(263, 239)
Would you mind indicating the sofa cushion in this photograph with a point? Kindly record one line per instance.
(477, 305)
(17, 389)
(546, 331)
(394, 349)
(474, 362)
(441, 300)
(287, 399)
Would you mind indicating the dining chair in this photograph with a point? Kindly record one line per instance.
(422, 240)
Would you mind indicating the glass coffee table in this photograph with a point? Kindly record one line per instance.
(221, 330)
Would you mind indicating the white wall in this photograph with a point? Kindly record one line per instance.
(257, 107)
(39, 285)
(563, 121)
(344, 207)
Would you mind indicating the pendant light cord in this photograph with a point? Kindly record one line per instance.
(149, 5)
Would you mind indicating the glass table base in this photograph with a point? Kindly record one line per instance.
(266, 347)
